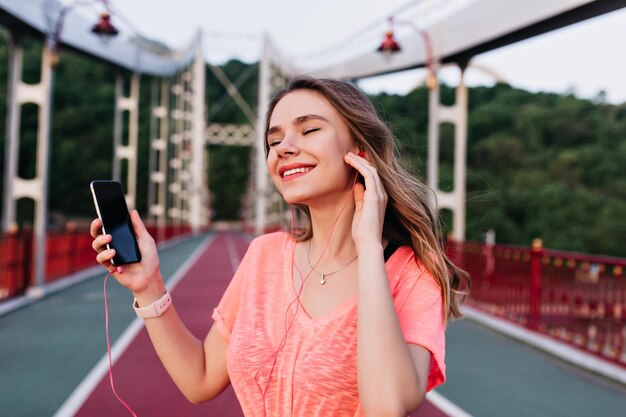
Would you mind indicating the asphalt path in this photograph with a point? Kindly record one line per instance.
(491, 375)
(47, 347)
(51, 349)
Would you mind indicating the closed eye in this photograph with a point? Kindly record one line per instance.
(273, 143)
(310, 130)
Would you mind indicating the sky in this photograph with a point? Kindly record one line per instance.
(585, 58)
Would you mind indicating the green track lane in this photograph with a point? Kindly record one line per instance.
(47, 347)
(491, 375)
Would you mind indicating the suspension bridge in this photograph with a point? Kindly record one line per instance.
(545, 333)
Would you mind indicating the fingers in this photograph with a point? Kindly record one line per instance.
(99, 245)
(100, 242)
(95, 228)
(359, 191)
(369, 173)
(138, 226)
(105, 256)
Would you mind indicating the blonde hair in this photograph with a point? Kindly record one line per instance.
(409, 217)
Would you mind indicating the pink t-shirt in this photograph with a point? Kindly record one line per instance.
(314, 372)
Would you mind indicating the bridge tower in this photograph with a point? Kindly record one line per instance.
(15, 186)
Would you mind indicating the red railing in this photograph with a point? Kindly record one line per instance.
(15, 261)
(67, 252)
(577, 298)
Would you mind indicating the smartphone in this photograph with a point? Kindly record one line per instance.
(108, 197)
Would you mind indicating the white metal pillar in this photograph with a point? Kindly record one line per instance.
(159, 128)
(127, 151)
(186, 139)
(261, 177)
(175, 163)
(457, 116)
(13, 131)
(36, 188)
(198, 187)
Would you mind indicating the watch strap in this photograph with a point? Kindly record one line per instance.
(156, 309)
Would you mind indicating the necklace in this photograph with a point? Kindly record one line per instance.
(323, 276)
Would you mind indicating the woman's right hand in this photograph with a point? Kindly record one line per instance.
(141, 277)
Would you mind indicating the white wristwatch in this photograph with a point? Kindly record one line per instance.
(155, 309)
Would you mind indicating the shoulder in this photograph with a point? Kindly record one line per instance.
(268, 248)
(403, 262)
(404, 269)
(264, 263)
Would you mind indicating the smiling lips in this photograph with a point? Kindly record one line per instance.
(294, 170)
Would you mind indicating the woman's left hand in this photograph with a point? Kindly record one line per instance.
(370, 202)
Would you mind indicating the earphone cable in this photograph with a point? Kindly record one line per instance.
(106, 325)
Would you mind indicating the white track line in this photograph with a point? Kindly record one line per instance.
(232, 253)
(80, 394)
(445, 405)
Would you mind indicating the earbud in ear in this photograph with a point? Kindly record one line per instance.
(361, 153)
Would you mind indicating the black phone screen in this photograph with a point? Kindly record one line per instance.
(112, 210)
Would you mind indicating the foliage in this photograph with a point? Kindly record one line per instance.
(539, 164)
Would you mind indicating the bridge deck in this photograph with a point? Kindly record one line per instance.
(52, 354)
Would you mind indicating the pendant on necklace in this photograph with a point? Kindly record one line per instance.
(322, 280)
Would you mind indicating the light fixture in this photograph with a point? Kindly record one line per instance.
(104, 28)
(390, 46)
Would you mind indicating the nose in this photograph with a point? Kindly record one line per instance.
(287, 147)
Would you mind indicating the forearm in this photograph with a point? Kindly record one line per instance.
(199, 369)
(181, 353)
(387, 378)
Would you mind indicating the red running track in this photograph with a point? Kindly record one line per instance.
(141, 380)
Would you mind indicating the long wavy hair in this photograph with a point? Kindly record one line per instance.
(410, 218)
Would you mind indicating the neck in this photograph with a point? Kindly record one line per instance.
(332, 231)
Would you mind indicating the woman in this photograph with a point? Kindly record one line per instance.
(346, 317)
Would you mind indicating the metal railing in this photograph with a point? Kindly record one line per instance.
(576, 298)
(68, 251)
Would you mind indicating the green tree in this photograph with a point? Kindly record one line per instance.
(539, 164)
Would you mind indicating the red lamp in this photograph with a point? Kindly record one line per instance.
(104, 28)
(389, 44)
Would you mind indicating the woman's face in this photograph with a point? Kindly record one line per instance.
(307, 142)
